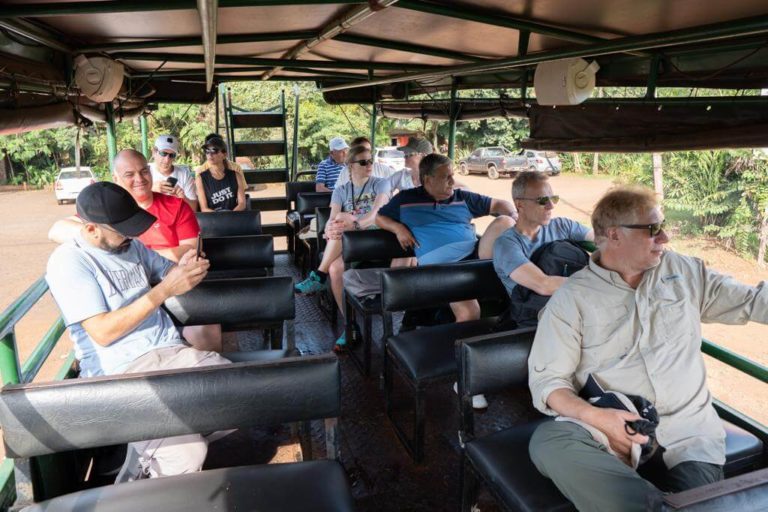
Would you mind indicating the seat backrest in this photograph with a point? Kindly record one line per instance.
(495, 361)
(294, 188)
(306, 202)
(322, 216)
(236, 304)
(73, 414)
(217, 224)
(240, 252)
(438, 285)
(371, 245)
(488, 363)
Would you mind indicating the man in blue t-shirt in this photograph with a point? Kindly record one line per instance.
(435, 220)
(533, 197)
(109, 288)
(328, 170)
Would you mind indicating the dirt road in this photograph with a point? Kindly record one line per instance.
(24, 250)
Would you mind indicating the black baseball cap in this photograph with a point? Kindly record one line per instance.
(215, 142)
(106, 203)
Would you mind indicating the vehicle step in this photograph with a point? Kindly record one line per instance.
(278, 229)
(269, 204)
(258, 120)
(256, 176)
(263, 148)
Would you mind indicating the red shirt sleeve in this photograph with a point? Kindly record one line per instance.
(186, 223)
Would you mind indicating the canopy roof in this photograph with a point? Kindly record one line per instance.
(176, 50)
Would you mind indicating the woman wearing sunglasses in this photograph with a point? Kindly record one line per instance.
(353, 207)
(219, 185)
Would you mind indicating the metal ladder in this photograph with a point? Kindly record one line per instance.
(274, 119)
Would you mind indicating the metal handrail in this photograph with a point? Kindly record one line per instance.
(735, 360)
(13, 313)
(32, 365)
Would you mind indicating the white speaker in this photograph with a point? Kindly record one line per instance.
(99, 78)
(564, 82)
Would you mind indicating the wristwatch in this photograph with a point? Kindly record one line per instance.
(357, 226)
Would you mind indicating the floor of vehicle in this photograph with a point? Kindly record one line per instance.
(382, 475)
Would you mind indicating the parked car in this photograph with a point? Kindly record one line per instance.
(70, 182)
(389, 156)
(499, 161)
(543, 161)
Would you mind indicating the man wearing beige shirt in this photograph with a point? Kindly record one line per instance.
(632, 320)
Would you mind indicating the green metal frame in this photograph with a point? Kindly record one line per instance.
(258, 61)
(144, 136)
(709, 33)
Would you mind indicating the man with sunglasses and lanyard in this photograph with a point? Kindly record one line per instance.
(533, 197)
(631, 321)
(170, 178)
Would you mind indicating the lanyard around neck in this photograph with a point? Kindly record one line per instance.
(362, 190)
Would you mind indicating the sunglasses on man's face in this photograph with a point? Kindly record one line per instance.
(653, 229)
(543, 200)
(364, 163)
(166, 154)
(212, 151)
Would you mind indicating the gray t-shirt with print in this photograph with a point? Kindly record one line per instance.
(86, 281)
(359, 200)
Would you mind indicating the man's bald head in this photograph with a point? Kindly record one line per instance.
(131, 171)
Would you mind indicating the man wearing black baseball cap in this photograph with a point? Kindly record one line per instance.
(109, 288)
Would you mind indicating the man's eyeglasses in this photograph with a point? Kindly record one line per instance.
(211, 151)
(653, 229)
(543, 200)
(364, 163)
(166, 154)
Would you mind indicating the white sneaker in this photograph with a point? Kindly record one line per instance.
(478, 401)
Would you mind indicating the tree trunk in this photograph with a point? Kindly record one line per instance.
(596, 164)
(577, 163)
(658, 176)
(763, 239)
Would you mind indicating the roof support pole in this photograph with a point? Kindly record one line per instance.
(452, 122)
(653, 73)
(522, 51)
(209, 10)
(217, 117)
(353, 17)
(111, 134)
(144, 136)
(373, 114)
(295, 157)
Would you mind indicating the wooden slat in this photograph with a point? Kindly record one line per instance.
(254, 176)
(263, 148)
(269, 204)
(257, 120)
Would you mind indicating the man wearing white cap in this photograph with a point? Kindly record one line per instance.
(168, 178)
(329, 169)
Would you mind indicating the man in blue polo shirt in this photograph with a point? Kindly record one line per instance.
(328, 170)
(436, 220)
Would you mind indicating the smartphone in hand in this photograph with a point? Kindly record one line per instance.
(199, 245)
(171, 181)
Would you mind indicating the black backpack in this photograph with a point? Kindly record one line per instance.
(558, 258)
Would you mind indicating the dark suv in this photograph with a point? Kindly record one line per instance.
(498, 161)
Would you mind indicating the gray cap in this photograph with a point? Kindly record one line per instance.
(417, 145)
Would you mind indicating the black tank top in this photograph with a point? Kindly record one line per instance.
(220, 194)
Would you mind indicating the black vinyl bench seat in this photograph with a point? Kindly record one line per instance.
(103, 411)
(501, 460)
(427, 355)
